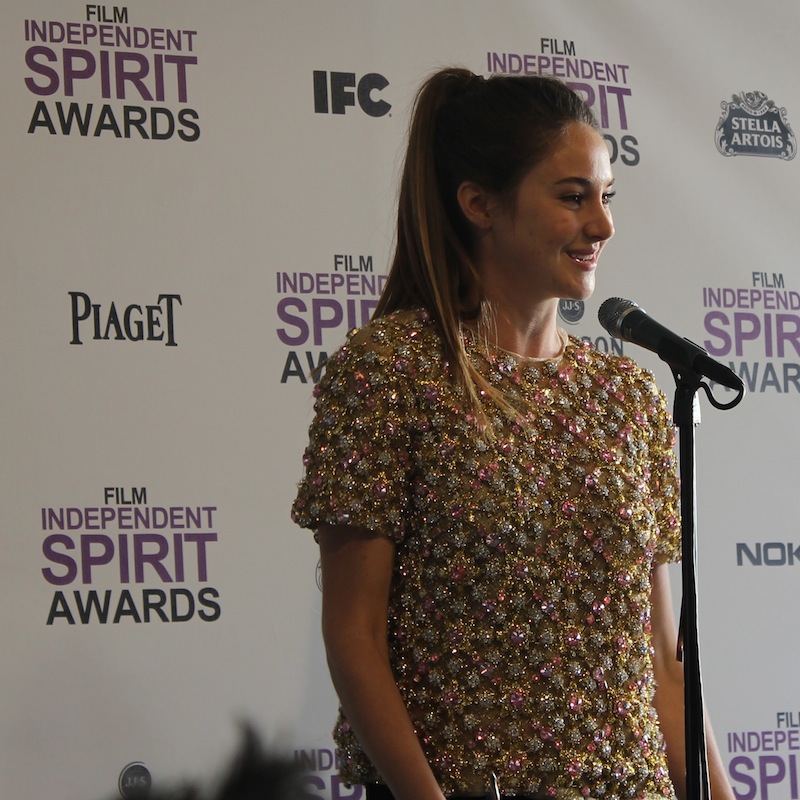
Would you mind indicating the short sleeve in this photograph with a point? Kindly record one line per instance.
(357, 464)
(664, 482)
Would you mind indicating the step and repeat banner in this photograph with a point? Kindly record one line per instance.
(197, 204)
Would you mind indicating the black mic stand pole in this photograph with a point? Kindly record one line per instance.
(686, 417)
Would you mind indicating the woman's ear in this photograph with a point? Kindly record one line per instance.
(474, 202)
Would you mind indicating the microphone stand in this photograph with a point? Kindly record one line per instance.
(683, 359)
(686, 416)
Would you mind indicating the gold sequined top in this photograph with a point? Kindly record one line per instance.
(519, 616)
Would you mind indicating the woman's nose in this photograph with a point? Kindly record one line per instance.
(600, 227)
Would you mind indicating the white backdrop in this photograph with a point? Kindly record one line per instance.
(189, 224)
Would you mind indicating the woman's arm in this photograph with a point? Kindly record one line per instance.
(356, 578)
(669, 698)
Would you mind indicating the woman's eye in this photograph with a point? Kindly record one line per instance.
(578, 199)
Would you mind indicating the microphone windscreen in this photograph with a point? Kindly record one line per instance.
(611, 313)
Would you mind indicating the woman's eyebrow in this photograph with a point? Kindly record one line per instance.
(586, 182)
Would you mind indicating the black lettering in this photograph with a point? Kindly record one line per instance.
(113, 322)
(78, 299)
(74, 115)
(139, 496)
(134, 331)
(174, 594)
(41, 119)
(132, 325)
(179, 605)
(293, 369)
(625, 151)
(746, 376)
(315, 370)
(170, 298)
(135, 117)
(743, 549)
(154, 600)
(370, 82)
(163, 114)
(187, 117)
(126, 608)
(768, 554)
(93, 601)
(77, 119)
(791, 376)
(340, 97)
(320, 92)
(774, 554)
(631, 157)
(107, 122)
(60, 609)
(207, 598)
(770, 379)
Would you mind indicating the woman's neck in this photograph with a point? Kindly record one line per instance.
(532, 335)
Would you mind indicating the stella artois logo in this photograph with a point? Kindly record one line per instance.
(752, 125)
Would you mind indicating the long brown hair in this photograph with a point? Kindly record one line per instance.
(466, 128)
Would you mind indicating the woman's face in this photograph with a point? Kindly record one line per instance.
(548, 244)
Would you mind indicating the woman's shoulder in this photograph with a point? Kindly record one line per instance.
(615, 369)
(404, 333)
(395, 328)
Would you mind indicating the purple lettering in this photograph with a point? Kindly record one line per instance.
(747, 328)
(134, 75)
(41, 69)
(767, 777)
(320, 321)
(88, 560)
(200, 539)
(710, 320)
(284, 314)
(140, 558)
(59, 558)
(736, 765)
(73, 73)
(787, 329)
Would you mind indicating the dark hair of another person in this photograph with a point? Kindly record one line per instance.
(253, 774)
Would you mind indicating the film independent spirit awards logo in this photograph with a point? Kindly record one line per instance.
(752, 125)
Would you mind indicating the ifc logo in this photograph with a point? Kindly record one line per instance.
(346, 89)
(134, 781)
(571, 311)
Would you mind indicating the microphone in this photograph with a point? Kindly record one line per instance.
(625, 320)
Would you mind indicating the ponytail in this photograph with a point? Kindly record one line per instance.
(465, 128)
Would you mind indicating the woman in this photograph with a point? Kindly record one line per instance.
(496, 502)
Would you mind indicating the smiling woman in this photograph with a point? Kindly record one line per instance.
(495, 502)
(546, 247)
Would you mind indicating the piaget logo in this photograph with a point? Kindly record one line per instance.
(752, 125)
(134, 322)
